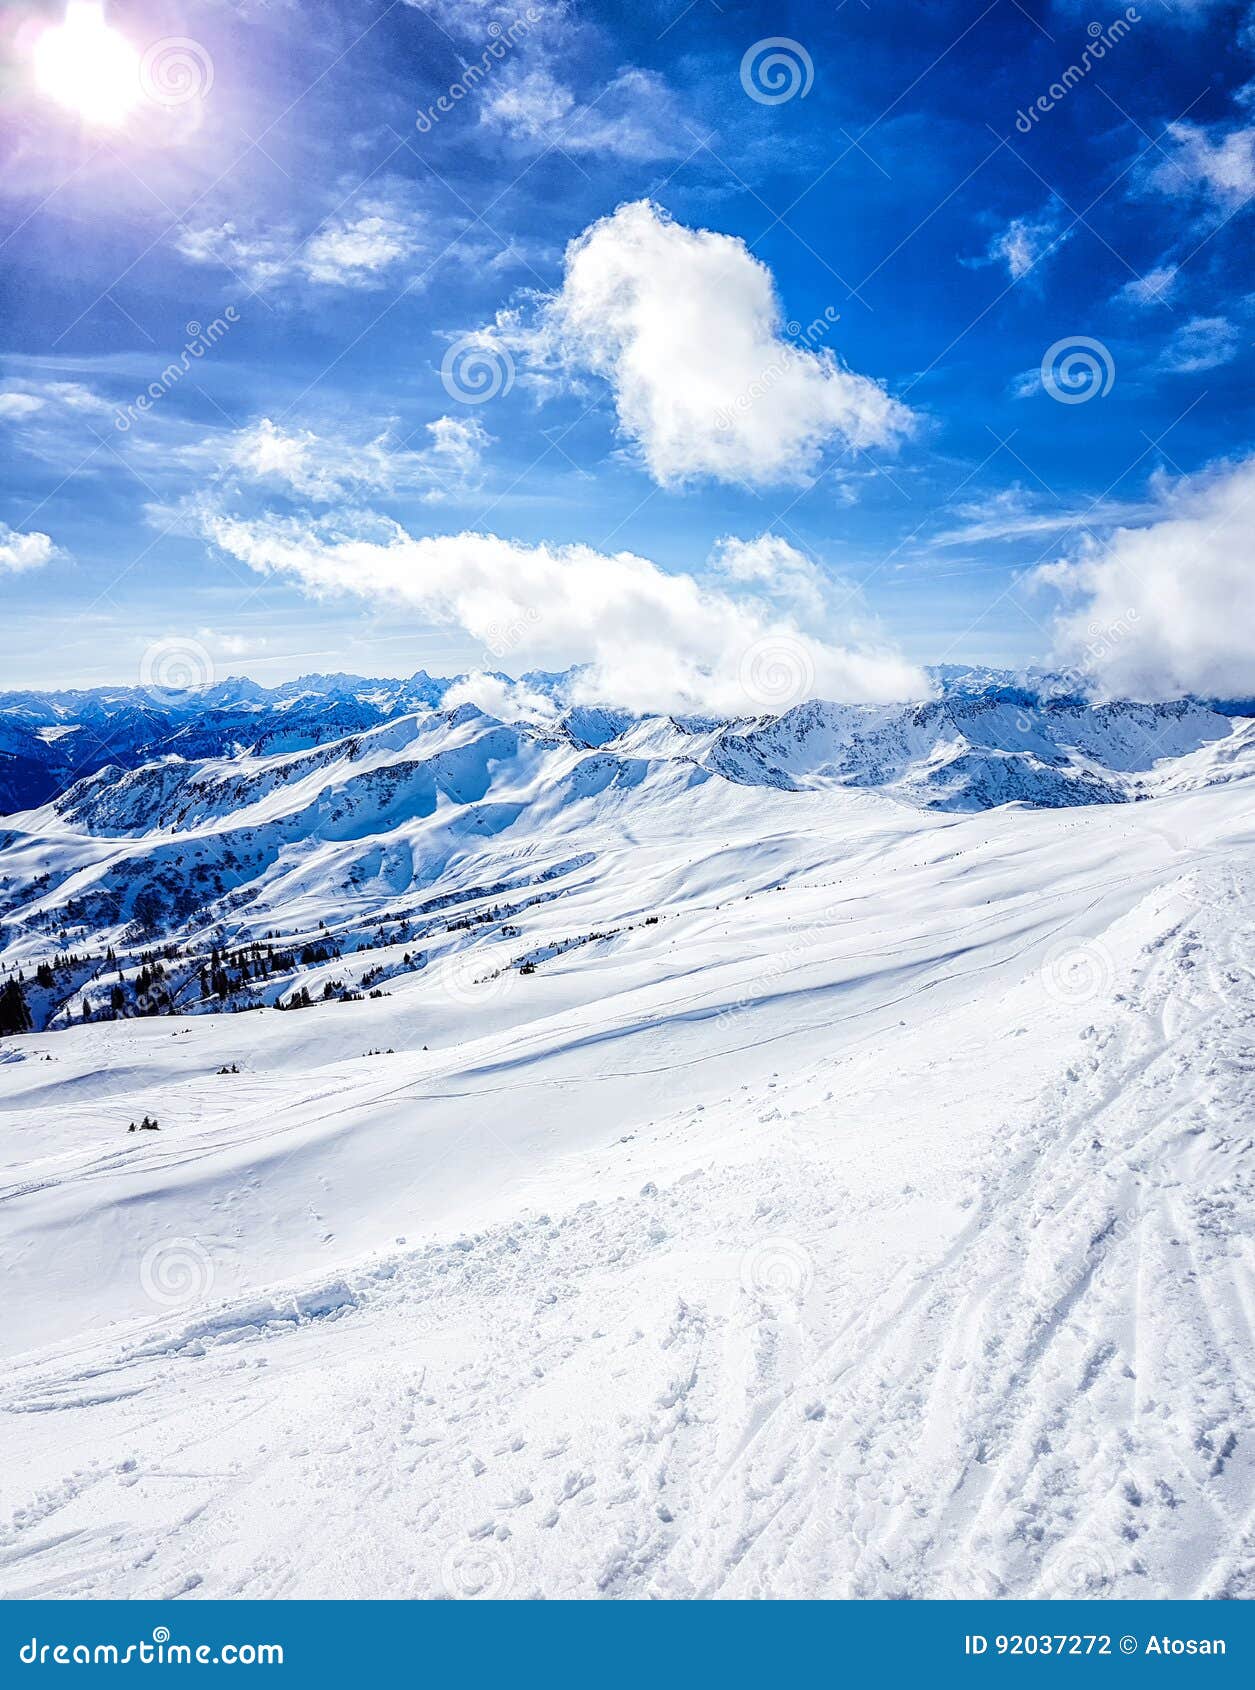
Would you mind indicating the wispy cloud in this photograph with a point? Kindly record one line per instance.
(356, 249)
(1204, 343)
(326, 468)
(1156, 287)
(634, 116)
(1025, 242)
(1014, 513)
(1212, 164)
(16, 405)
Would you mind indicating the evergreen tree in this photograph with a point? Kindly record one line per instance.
(14, 1015)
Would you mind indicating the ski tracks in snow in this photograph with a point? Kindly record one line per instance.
(821, 1361)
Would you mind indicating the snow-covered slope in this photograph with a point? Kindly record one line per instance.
(755, 1178)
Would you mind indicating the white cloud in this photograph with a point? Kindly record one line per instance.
(459, 443)
(14, 406)
(635, 116)
(1207, 163)
(1156, 611)
(25, 398)
(775, 568)
(327, 468)
(652, 640)
(1204, 343)
(232, 645)
(352, 253)
(684, 325)
(1025, 242)
(19, 552)
(1156, 287)
(59, 422)
(507, 700)
(349, 251)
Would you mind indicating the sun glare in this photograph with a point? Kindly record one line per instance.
(88, 67)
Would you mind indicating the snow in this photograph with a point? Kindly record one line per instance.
(854, 1201)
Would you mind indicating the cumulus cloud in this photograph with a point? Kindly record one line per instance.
(1156, 611)
(650, 640)
(685, 327)
(19, 552)
(774, 567)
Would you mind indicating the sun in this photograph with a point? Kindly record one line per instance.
(88, 67)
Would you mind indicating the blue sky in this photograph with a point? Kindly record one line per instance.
(897, 481)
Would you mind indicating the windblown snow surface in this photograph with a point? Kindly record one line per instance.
(853, 1199)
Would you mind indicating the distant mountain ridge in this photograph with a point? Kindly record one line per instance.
(48, 740)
